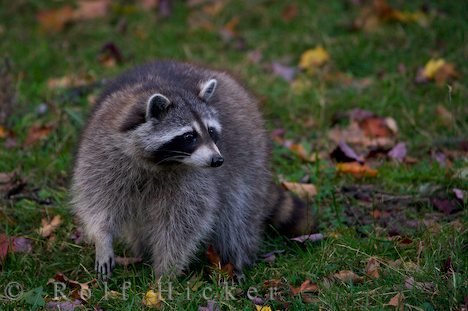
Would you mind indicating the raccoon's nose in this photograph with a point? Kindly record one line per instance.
(217, 161)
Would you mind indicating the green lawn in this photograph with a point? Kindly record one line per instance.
(434, 252)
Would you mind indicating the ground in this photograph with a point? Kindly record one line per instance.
(402, 231)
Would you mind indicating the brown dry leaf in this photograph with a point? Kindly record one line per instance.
(152, 299)
(13, 244)
(272, 283)
(445, 116)
(110, 55)
(79, 290)
(302, 190)
(3, 132)
(373, 268)
(356, 169)
(67, 82)
(289, 12)
(213, 9)
(49, 227)
(298, 149)
(54, 20)
(397, 302)
(228, 32)
(215, 260)
(91, 9)
(378, 127)
(348, 276)
(37, 133)
(353, 134)
(380, 12)
(306, 286)
(438, 70)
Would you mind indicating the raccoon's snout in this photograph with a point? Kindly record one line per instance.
(217, 161)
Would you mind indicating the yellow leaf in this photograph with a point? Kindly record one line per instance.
(356, 169)
(314, 58)
(152, 299)
(263, 308)
(3, 132)
(432, 67)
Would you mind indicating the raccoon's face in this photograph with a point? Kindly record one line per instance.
(180, 127)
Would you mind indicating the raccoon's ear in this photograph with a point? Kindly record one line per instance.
(157, 106)
(207, 89)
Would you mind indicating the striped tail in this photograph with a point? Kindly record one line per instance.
(290, 215)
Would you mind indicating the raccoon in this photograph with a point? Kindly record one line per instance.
(175, 156)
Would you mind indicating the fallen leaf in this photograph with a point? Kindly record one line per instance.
(431, 67)
(285, 72)
(271, 256)
(110, 55)
(344, 153)
(302, 190)
(356, 169)
(437, 70)
(3, 132)
(228, 31)
(445, 206)
(215, 261)
(377, 127)
(211, 306)
(68, 82)
(262, 308)
(379, 12)
(348, 276)
(91, 9)
(10, 184)
(410, 283)
(272, 283)
(397, 302)
(309, 237)
(313, 58)
(49, 227)
(64, 305)
(306, 286)
(79, 289)
(289, 12)
(459, 194)
(13, 244)
(152, 299)
(37, 133)
(398, 152)
(445, 116)
(54, 20)
(165, 8)
(373, 268)
(354, 134)
(213, 8)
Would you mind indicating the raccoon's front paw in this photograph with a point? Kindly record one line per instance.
(105, 263)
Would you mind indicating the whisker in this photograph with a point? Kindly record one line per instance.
(176, 151)
(169, 159)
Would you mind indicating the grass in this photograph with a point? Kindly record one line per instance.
(37, 56)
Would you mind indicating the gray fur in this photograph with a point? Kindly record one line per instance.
(169, 211)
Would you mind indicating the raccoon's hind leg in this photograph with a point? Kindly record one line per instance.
(237, 242)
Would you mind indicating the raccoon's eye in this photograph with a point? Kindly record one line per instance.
(213, 133)
(190, 137)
